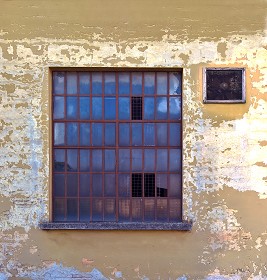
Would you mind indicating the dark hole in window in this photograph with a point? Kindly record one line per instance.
(137, 179)
(162, 192)
(224, 84)
(137, 108)
(149, 184)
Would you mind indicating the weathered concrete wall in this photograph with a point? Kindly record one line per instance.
(225, 146)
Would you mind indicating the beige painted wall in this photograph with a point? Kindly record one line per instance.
(225, 146)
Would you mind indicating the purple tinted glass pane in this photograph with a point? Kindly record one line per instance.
(175, 210)
(59, 210)
(149, 79)
(97, 134)
(149, 108)
(110, 83)
(149, 134)
(84, 80)
(85, 185)
(149, 210)
(136, 134)
(175, 185)
(97, 160)
(124, 210)
(72, 184)
(71, 83)
(58, 82)
(175, 108)
(175, 160)
(175, 83)
(72, 134)
(72, 209)
(96, 108)
(96, 83)
(162, 209)
(59, 160)
(124, 83)
(110, 133)
(162, 185)
(124, 135)
(84, 160)
(175, 134)
(124, 185)
(137, 209)
(110, 187)
(124, 108)
(162, 159)
(84, 210)
(84, 108)
(161, 108)
(162, 83)
(97, 185)
(110, 108)
(110, 160)
(59, 108)
(72, 159)
(124, 160)
(162, 135)
(149, 157)
(72, 111)
(137, 160)
(136, 83)
(59, 185)
(97, 210)
(110, 210)
(59, 133)
(84, 134)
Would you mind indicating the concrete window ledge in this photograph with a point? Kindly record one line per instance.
(178, 226)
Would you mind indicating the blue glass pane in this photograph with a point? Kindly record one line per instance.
(175, 108)
(72, 160)
(149, 158)
(124, 185)
(136, 83)
(149, 79)
(149, 134)
(59, 134)
(110, 132)
(124, 83)
(84, 160)
(97, 210)
(162, 135)
(124, 134)
(85, 185)
(175, 134)
(96, 108)
(72, 108)
(72, 184)
(161, 110)
(84, 83)
(175, 189)
(110, 209)
(84, 134)
(59, 110)
(85, 210)
(162, 82)
(59, 185)
(124, 108)
(110, 84)
(162, 159)
(96, 83)
(59, 210)
(97, 160)
(84, 108)
(97, 185)
(149, 108)
(110, 186)
(110, 108)
(175, 83)
(136, 134)
(72, 209)
(110, 160)
(59, 160)
(175, 160)
(97, 134)
(124, 160)
(58, 82)
(71, 83)
(137, 160)
(72, 134)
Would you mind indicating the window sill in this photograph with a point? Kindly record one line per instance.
(178, 226)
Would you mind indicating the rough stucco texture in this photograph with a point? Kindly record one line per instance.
(225, 146)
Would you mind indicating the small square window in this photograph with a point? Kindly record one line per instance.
(224, 85)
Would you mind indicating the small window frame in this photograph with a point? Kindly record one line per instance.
(230, 101)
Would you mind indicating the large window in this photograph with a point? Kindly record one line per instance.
(117, 146)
